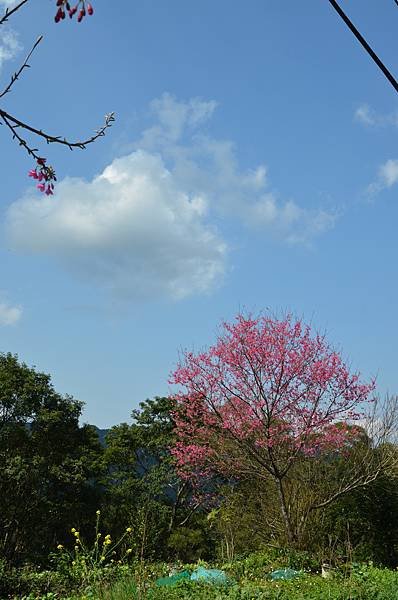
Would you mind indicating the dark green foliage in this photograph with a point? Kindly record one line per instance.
(48, 464)
(364, 524)
(143, 489)
(188, 545)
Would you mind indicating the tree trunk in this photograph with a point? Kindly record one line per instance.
(291, 534)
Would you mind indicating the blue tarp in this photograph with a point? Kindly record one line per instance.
(212, 576)
(173, 579)
(209, 576)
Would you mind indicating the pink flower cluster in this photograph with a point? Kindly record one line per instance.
(45, 176)
(79, 7)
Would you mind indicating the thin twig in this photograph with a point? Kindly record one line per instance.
(9, 12)
(24, 66)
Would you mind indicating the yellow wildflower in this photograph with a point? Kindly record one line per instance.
(60, 546)
(128, 530)
(98, 513)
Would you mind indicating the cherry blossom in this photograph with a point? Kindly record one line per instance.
(266, 384)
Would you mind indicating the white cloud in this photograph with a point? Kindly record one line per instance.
(174, 118)
(143, 226)
(9, 315)
(9, 45)
(367, 116)
(388, 173)
(132, 229)
(386, 178)
(211, 166)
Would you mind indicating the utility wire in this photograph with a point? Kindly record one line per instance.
(365, 44)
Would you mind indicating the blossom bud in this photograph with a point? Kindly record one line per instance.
(90, 9)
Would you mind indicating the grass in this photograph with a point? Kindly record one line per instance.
(249, 581)
(363, 583)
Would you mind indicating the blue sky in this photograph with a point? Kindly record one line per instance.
(252, 165)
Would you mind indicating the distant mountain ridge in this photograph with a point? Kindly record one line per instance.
(102, 433)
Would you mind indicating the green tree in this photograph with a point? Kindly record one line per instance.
(48, 464)
(143, 489)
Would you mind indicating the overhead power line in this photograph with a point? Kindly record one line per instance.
(365, 44)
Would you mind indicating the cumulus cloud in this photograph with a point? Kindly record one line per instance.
(203, 163)
(9, 315)
(9, 45)
(132, 229)
(387, 176)
(143, 227)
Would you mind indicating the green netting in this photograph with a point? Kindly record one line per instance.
(284, 574)
(173, 579)
(214, 576)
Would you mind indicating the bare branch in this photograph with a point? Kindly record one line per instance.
(15, 135)
(11, 11)
(47, 171)
(25, 65)
(51, 139)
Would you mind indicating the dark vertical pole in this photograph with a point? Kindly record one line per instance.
(365, 44)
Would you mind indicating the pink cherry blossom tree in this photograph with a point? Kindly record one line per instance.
(43, 173)
(268, 397)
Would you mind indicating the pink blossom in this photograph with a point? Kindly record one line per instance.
(44, 174)
(80, 6)
(265, 385)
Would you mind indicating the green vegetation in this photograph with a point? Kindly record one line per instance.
(80, 519)
(250, 579)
